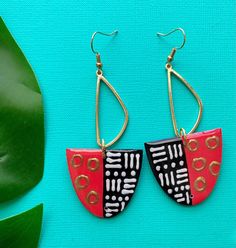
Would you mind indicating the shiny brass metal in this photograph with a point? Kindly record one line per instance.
(193, 145)
(171, 71)
(172, 54)
(198, 181)
(91, 194)
(115, 32)
(173, 31)
(78, 182)
(92, 161)
(211, 166)
(73, 160)
(101, 78)
(99, 62)
(183, 135)
(196, 161)
(216, 143)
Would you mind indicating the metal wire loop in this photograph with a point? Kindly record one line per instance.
(115, 32)
(171, 32)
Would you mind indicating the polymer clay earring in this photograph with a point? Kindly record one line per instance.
(104, 180)
(186, 167)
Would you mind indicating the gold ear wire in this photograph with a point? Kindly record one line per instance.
(115, 32)
(173, 51)
(170, 71)
(98, 57)
(101, 78)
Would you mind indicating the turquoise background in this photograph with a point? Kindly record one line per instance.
(55, 36)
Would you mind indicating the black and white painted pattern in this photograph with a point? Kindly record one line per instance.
(121, 174)
(169, 165)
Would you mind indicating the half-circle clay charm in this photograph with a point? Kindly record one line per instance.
(187, 168)
(104, 185)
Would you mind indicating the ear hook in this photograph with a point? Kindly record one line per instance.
(93, 37)
(172, 31)
(170, 71)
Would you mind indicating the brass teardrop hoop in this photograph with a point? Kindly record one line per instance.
(170, 71)
(101, 78)
(100, 142)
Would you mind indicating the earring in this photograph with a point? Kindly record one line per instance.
(104, 180)
(186, 167)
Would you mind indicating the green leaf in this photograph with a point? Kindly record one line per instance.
(23, 230)
(21, 123)
(21, 141)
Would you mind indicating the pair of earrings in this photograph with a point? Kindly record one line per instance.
(186, 167)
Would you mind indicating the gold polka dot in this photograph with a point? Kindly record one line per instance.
(212, 165)
(192, 145)
(73, 163)
(212, 142)
(199, 163)
(93, 164)
(200, 184)
(92, 197)
(79, 182)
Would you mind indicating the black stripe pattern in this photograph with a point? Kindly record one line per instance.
(121, 174)
(168, 163)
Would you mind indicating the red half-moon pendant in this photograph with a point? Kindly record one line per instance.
(106, 184)
(187, 168)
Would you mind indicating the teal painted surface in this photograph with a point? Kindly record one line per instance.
(55, 36)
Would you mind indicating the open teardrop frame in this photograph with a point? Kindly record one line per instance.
(101, 78)
(170, 71)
